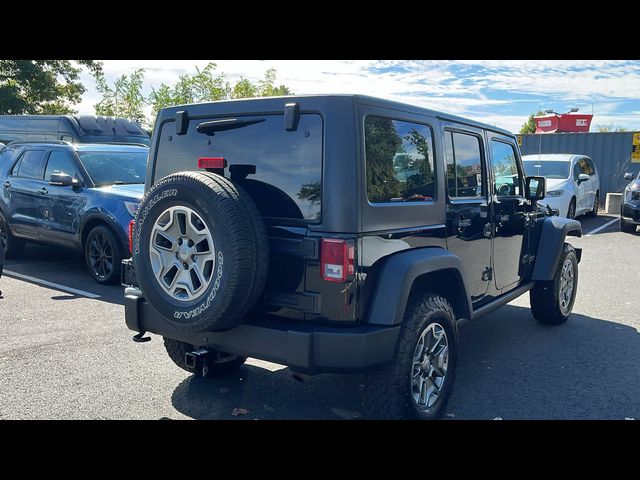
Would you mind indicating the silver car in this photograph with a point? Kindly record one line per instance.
(573, 185)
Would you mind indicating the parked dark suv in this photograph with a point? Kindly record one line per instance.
(630, 208)
(81, 196)
(338, 234)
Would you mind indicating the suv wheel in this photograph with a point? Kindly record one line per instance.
(571, 212)
(200, 251)
(102, 255)
(177, 350)
(552, 301)
(418, 381)
(627, 227)
(13, 247)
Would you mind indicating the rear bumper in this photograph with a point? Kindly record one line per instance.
(631, 212)
(305, 348)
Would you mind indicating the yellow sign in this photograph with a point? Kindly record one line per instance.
(635, 151)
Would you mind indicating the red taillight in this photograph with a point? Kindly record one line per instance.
(212, 162)
(336, 260)
(131, 224)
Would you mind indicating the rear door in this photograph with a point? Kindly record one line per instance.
(582, 188)
(509, 211)
(26, 194)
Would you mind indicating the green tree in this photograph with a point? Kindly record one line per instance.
(208, 85)
(609, 128)
(383, 142)
(530, 125)
(124, 99)
(42, 86)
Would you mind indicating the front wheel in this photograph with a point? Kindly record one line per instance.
(102, 255)
(594, 210)
(552, 301)
(627, 227)
(571, 212)
(418, 381)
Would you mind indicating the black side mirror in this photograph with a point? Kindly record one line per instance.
(63, 180)
(535, 188)
(628, 176)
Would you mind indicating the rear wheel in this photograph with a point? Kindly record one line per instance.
(418, 381)
(552, 301)
(13, 247)
(102, 255)
(627, 227)
(218, 363)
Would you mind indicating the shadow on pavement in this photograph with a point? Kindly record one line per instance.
(510, 366)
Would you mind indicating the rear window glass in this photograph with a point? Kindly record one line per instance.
(280, 169)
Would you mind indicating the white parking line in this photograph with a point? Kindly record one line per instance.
(45, 283)
(602, 227)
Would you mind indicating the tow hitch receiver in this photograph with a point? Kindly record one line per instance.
(197, 361)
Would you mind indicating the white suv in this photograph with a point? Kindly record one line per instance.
(573, 185)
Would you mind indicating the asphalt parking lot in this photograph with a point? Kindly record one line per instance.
(66, 354)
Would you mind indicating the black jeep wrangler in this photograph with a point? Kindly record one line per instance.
(338, 233)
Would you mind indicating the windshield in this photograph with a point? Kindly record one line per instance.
(109, 168)
(547, 169)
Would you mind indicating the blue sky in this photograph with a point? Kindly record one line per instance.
(498, 92)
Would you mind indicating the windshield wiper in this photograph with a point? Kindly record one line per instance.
(213, 126)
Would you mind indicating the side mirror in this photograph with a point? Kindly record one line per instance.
(583, 177)
(628, 176)
(63, 180)
(535, 188)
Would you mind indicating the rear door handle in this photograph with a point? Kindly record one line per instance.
(7, 183)
(43, 191)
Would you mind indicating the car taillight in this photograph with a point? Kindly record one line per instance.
(336, 261)
(131, 224)
(212, 162)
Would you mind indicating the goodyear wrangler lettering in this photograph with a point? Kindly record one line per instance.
(140, 221)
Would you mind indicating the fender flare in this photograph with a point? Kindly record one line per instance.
(553, 232)
(398, 274)
(105, 218)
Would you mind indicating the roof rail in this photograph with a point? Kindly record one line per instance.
(121, 143)
(55, 142)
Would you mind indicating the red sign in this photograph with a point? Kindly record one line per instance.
(569, 122)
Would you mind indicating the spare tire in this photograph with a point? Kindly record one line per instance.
(200, 251)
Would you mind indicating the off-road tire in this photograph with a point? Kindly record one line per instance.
(386, 393)
(177, 349)
(240, 243)
(545, 295)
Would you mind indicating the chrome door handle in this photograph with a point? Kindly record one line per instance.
(7, 183)
(43, 191)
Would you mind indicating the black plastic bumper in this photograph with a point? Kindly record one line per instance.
(305, 348)
(631, 212)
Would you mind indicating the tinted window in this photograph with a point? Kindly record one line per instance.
(585, 166)
(30, 164)
(547, 169)
(505, 169)
(399, 159)
(108, 168)
(464, 165)
(59, 163)
(287, 164)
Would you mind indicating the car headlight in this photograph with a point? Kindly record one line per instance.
(554, 193)
(132, 208)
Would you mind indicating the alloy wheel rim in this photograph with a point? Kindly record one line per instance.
(567, 279)
(101, 255)
(429, 366)
(182, 253)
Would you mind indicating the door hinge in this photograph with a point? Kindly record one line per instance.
(487, 274)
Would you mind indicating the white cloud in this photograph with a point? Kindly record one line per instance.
(478, 89)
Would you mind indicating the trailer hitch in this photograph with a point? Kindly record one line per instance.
(197, 361)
